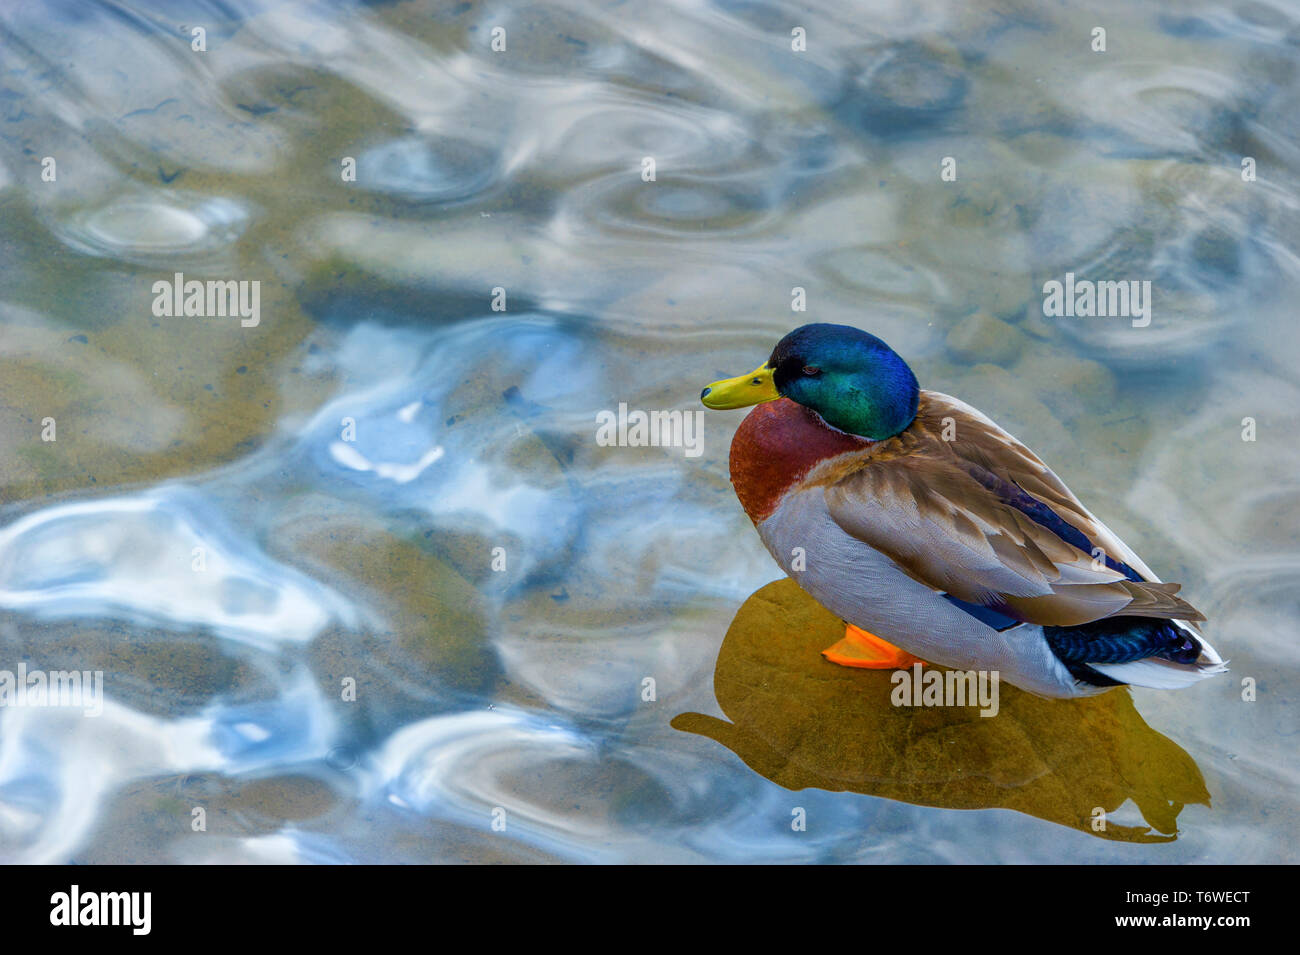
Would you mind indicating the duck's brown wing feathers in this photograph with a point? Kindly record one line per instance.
(980, 517)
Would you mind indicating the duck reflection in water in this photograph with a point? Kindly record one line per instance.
(803, 722)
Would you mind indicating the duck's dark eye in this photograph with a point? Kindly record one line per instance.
(812, 371)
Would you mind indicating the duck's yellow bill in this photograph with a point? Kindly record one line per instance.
(742, 391)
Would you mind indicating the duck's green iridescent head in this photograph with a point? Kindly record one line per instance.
(852, 379)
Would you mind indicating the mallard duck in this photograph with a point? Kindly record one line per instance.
(936, 535)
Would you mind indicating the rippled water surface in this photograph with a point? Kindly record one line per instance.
(361, 582)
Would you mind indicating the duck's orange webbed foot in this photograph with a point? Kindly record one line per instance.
(862, 649)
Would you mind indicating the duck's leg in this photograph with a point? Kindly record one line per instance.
(862, 649)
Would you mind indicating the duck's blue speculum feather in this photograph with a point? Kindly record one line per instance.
(989, 616)
(1013, 495)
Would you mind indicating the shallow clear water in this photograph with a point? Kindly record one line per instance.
(359, 577)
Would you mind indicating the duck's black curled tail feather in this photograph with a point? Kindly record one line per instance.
(1119, 640)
